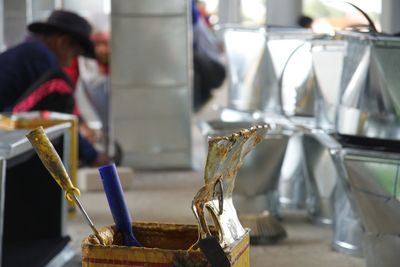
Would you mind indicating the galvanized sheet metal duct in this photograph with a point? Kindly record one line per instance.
(256, 60)
(373, 180)
(151, 103)
(370, 99)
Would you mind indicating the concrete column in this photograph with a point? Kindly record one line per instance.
(40, 9)
(151, 97)
(2, 46)
(84, 7)
(390, 19)
(15, 20)
(17, 14)
(283, 12)
(229, 12)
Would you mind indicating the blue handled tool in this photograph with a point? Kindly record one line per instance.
(116, 201)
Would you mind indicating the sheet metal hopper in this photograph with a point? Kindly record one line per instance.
(369, 98)
(328, 201)
(370, 170)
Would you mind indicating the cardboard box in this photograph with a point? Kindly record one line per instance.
(165, 245)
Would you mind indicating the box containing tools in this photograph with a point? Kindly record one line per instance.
(223, 243)
(163, 245)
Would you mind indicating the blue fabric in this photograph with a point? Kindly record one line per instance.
(195, 13)
(87, 153)
(20, 67)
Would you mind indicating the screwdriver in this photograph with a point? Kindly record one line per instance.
(52, 161)
(116, 201)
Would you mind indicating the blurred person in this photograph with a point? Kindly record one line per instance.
(203, 14)
(93, 90)
(31, 75)
(305, 22)
(209, 72)
(96, 77)
(101, 41)
(93, 77)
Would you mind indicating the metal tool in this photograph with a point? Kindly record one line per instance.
(116, 201)
(52, 161)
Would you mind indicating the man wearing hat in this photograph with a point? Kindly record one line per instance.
(31, 76)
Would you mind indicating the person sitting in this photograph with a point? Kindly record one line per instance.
(31, 74)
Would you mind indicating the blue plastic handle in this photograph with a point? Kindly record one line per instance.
(116, 201)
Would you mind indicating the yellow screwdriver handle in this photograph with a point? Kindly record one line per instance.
(52, 161)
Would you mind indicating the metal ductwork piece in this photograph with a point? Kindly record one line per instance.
(256, 60)
(327, 61)
(297, 82)
(329, 202)
(322, 176)
(370, 169)
(292, 181)
(292, 82)
(370, 99)
(246, 54)
(262, 86)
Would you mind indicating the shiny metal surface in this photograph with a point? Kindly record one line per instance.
(372, 178)
(256, 60)
(247, 57)
(298, 84)
(381, 250)
(329, 201)
(257, 179)
(148, 72)
(291, 82)
(321, 175)
(292, 181)
(224, 159)
(370, 101)
(347, 226)
(327, 60)
(292, 187)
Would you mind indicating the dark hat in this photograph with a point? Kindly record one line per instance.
(69, 23)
